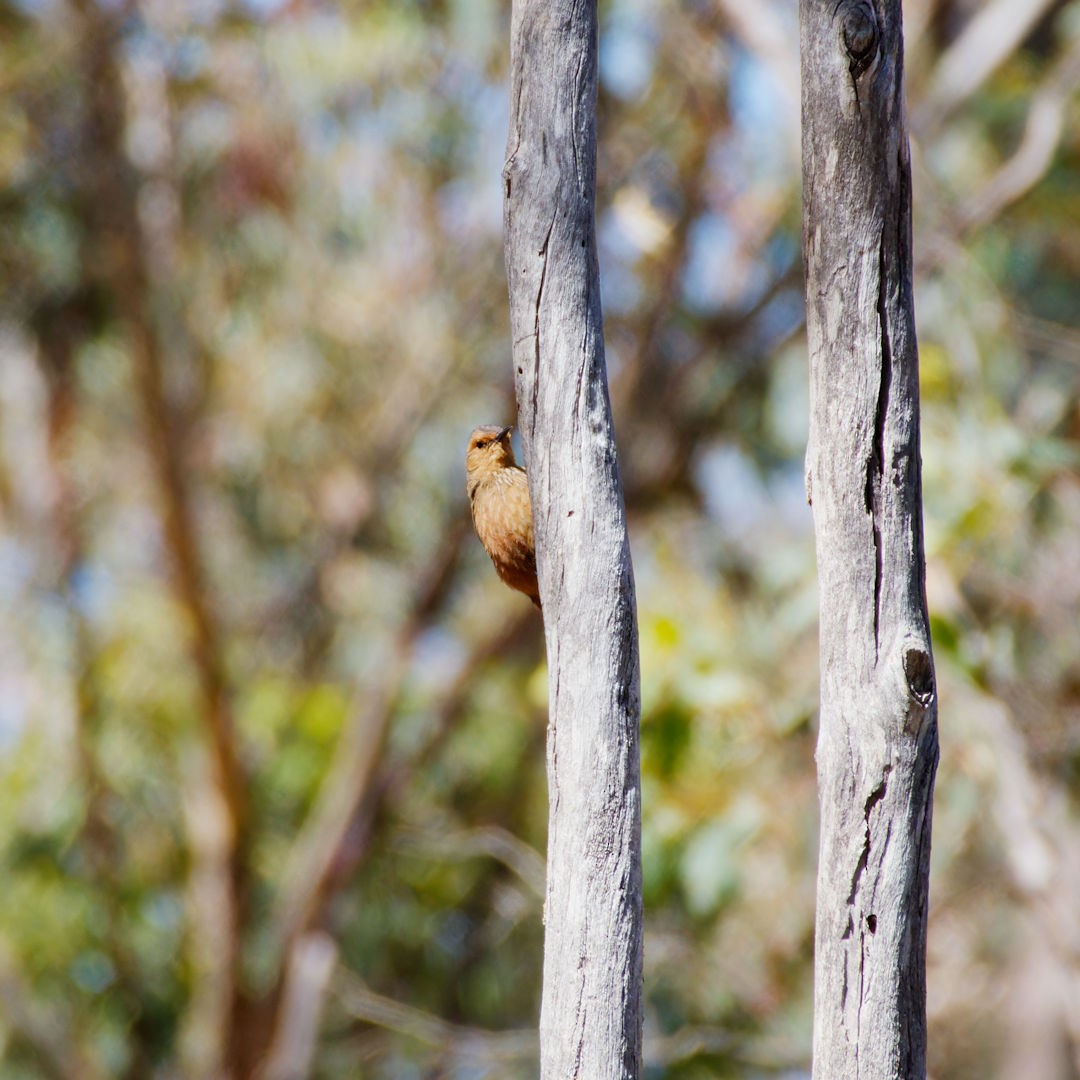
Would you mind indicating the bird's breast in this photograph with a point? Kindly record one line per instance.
(502, 514)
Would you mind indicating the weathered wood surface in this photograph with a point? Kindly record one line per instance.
(877, 749)
(590, 1025)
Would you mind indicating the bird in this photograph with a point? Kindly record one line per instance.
(501, 510)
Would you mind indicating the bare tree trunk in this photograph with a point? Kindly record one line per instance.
(590, 1025)
(117, 261)
(877, 749)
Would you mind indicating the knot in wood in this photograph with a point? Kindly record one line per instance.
(859, 30)
(919, 672)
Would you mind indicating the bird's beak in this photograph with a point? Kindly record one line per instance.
(502, 434)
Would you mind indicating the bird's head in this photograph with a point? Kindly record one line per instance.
(489, 449)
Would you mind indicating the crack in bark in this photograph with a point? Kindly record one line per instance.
(511, 160)
(844, 985)
(582, 1008)
(543, 253)
(581, 375)
(872, 800)
(862, 998)
(581, 1041)
(875, 465)
(580, 83)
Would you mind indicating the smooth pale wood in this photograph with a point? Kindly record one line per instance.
(590, 1023)
(877, 748)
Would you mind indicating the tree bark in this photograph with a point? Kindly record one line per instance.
(877, 748)
(590, 1024)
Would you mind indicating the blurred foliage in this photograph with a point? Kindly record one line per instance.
(291, 211)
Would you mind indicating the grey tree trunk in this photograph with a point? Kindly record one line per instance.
(590, 1023)
(877, 749)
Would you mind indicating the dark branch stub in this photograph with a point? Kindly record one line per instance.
(919, 672)
(859, 31)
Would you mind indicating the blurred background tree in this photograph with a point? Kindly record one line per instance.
(272, 733)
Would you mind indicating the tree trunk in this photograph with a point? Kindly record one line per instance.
(877, 748)
(590, 1025)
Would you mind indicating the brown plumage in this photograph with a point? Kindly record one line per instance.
(501, 510)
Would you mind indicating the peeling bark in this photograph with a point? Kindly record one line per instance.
(877, 749)
(590, 1025)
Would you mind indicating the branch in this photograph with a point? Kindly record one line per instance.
(311, 964)
(327, 851)
(490, 1047)
(690, 1042)
(60, 331)
(986, 42)
(1034, 156)
(501, 637)
(313, 861)
(466, 1042)
(211, 932)
(496, 843)
(1042, 848)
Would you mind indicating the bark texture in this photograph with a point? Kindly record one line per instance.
(877, 749)
(590, 1025)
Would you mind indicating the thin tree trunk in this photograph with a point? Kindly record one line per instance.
(877, 749)
(116, 260)
(590, 1025)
